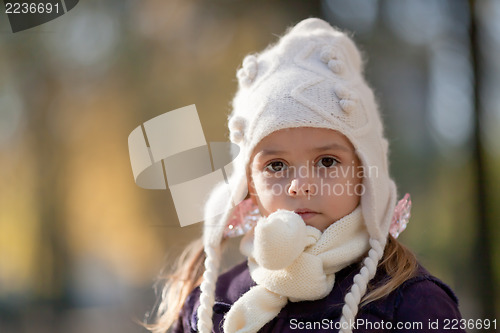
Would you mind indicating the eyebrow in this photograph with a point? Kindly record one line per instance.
(333, 146)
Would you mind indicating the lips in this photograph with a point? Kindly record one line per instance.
(304, 210)
(306, 214)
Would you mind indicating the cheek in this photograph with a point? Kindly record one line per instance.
(336, 175)
(268, 187)
(263, 183)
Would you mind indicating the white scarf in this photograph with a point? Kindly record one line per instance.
(292, 261)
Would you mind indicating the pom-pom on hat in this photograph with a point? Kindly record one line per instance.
(312, 77)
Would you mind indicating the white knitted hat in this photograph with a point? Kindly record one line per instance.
(311, 78)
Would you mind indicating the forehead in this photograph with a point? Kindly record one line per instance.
(302, 139)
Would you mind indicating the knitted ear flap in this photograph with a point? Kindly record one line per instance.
(221, 199)
(218, 202)
(378, 232)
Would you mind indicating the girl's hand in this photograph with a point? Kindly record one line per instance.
(280, 239)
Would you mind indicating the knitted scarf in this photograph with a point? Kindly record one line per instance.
(291, 261)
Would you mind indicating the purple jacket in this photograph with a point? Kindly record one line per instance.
(423, 304)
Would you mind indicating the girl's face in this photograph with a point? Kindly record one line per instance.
(312, 171)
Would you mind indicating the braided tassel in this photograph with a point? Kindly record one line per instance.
(359, 286)
(207, 298)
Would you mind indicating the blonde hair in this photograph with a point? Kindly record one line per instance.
(398, 261)
(177, 286)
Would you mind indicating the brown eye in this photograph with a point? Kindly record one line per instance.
(328, 162)
(275, 166)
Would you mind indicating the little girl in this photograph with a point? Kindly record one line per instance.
(319, 210)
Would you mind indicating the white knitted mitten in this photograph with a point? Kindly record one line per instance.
(276, 234)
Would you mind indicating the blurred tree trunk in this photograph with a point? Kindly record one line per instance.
(40, 91)
(483, 245)
(311, 7)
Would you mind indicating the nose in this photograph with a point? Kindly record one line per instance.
(301, 187)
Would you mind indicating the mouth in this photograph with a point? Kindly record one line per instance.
(306, 214)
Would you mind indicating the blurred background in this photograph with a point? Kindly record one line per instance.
(81, 245)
